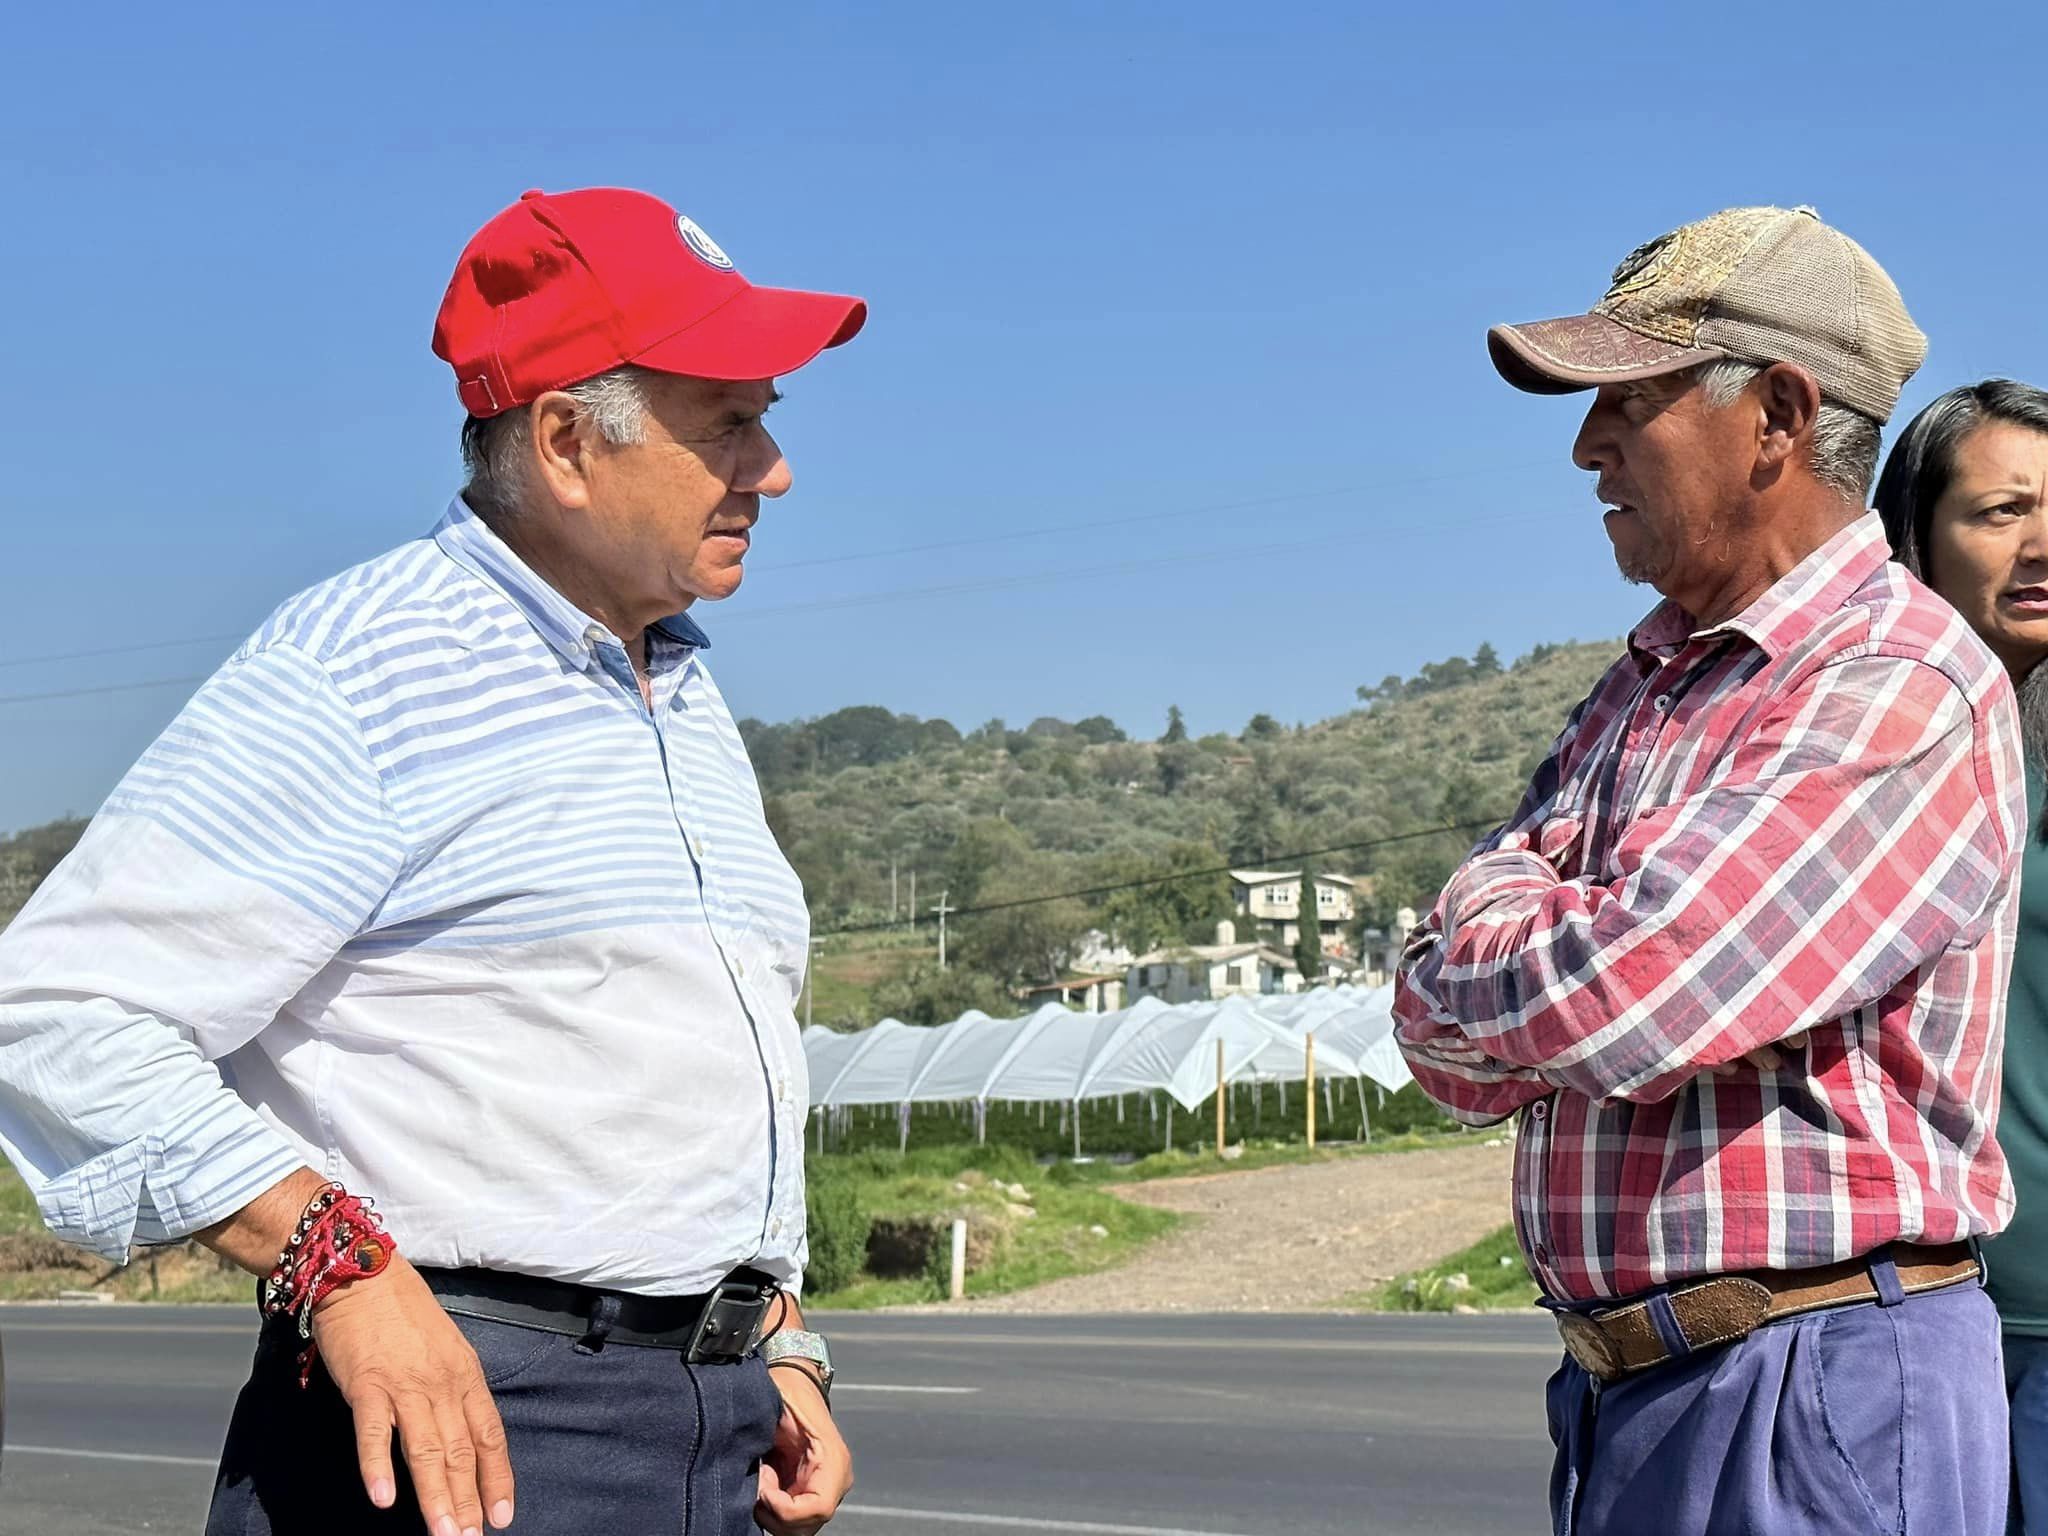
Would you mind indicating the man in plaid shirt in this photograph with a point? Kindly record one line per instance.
(1739, 959)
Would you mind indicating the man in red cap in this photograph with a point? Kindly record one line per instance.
(438, 965)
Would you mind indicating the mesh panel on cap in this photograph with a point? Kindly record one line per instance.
(1813, 297)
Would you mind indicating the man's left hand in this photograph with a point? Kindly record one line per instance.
(810, 1469)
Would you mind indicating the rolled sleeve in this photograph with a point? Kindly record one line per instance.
(249, 844)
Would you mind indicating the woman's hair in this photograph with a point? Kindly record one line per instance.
(1923, 460)
(1915, 478)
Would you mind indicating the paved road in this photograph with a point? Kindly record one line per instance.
(1124, 1426)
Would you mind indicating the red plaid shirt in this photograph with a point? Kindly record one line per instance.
(1806, 820)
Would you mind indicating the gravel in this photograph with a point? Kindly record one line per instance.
(1291, 1238)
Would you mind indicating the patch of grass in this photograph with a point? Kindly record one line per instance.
(1180, 1163)
(17, 1205)
(1490, 1275)
(1066, 1226)
(846, 970)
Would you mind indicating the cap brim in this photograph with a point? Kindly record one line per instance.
(1558, 357)
(758, 333)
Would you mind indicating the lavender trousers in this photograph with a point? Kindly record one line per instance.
(1867, 1418)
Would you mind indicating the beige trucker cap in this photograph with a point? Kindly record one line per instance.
(1760, 285)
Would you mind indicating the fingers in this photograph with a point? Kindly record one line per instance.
(806, 1477)
(493, 1458)
(435, 1478)
(373, 1448)
(458, 1455)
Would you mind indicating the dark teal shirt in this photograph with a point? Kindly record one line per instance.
(2018, 1257)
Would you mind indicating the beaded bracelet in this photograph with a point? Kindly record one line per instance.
(338, 1239)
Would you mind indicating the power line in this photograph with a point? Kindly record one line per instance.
(125, 650)
(771, 568)
(74, 693)
(912, 594)
(1182, 874)
(1089, 525)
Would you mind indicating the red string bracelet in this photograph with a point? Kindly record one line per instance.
(338, 1239)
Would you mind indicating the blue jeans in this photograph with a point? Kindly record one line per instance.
(621, 1440)
(2026, 1382)
(1859, 1419)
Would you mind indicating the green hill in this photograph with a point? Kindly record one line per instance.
(1002, 815)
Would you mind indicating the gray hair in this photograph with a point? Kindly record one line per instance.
(497, 450)
(1845, 441)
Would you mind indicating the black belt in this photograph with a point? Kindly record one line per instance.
(724, 1323)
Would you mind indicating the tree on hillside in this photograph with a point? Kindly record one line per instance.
(1255, 832)
(1163, 911)
(1176, 728)
(1098, 730)
(1410, 875)
(1308, 948)
(930, 996)
(1177, 763)
(987, 851)
(1485, 661)
(1261, 727)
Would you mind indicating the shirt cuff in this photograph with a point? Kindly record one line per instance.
(1490, 879)
(164, 1186)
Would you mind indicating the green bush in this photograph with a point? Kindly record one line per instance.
(838, 1225)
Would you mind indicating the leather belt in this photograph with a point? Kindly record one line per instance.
(1619, 1341)
(722, 1324)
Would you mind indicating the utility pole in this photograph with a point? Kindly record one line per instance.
(942, 909)
(892, 890)
(911, 910)
(810, 978)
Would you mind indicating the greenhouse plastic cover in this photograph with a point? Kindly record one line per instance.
(1055, 1054)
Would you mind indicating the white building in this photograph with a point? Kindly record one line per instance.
(1188, 973)
(1271, 900)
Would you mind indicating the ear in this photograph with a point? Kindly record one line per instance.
(564, 442)
(1789, 397)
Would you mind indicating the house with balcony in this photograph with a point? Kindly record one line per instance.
(1269, 908)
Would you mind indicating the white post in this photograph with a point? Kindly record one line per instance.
(959, 1286)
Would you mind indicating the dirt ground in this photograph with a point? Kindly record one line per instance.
(1291, 1239)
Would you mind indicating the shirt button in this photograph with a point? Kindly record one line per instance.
(1540, 1110)
(1663, 702)
(1542, 1254)
(775, 1227)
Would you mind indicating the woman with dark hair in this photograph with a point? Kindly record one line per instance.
(1964, 499)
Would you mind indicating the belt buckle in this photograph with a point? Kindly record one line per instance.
(729, 1326)
(1587, 1343)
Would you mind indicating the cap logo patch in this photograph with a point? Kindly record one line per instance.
(701, 245)
(1644, 266)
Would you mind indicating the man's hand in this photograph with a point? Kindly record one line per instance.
(1765, 1058)
(401, 1363)
(810, 1469)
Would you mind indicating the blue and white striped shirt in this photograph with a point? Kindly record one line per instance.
(418, 892)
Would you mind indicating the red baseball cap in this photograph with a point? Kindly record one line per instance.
(563, 286)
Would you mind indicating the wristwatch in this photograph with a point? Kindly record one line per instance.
(799, 1344)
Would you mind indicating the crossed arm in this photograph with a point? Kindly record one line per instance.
(1844, 842)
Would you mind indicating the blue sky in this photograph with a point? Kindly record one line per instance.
(1174, 387)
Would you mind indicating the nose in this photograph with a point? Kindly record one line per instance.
(1593, 449)
(2033, 548)
(770, 474)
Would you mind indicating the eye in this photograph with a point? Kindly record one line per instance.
(2003, 512)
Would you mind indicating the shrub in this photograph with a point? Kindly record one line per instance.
(838, 1228)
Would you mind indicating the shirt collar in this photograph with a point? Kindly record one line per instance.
(1791, 606)
(467, 540)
